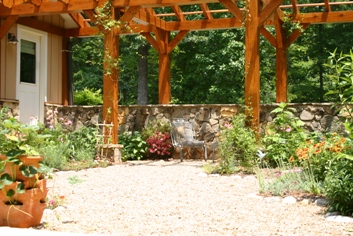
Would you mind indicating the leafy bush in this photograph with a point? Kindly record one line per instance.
(88, 97)
(238, 145)
(338, 185)
(134, 146)
(282, 136)
(65, 145)
(159, 145)
(341, 87)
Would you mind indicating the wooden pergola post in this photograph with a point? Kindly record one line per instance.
(110, 80)
(281, 60)
(164, 89)
(252, 62)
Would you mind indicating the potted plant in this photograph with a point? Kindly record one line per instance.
(22, 176)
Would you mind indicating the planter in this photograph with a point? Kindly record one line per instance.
(26, 208)
(27, 211)
(14, 170)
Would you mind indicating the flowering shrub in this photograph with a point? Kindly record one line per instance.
(159, 144)
(317, 153)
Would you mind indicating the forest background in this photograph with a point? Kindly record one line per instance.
(207, 67)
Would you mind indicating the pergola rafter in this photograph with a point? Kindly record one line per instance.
(156, 19)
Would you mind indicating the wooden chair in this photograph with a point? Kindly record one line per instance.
(183, 135)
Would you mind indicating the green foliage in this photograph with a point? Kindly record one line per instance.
(88, 64)
(74, 180)
(317, 153)
(88, 97)
(238, 145)
(135, 146)
(338, 186)
(286, 180)
(69, 146)
(341, 87)
(282, 136)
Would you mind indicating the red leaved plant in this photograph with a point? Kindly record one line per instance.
(159, 144)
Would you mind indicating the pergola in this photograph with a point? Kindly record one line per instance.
(156, 19)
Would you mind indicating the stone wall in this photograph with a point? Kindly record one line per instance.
(205, 118)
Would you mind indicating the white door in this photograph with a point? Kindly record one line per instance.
(31, 74)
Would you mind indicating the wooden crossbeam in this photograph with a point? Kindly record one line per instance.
(178, 13)
(324, 17)
(172, 44)
(151, 40)
(40, 25)
(6, 26)
(295, 6)
(268, 36)
(206, 11)
(148, 17)
(79, 20)
(221, 23)
(327, 5)
(233, 8)
(159, 3)
(268, 10)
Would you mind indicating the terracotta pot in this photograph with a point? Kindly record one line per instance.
(21, 216)
(13, 170)
(29, 213)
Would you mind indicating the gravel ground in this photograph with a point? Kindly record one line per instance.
(173, 198)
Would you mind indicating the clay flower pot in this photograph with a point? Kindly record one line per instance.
(25, 206)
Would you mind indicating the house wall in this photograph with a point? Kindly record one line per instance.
(8, 68)
(54, 60)
(54, 84)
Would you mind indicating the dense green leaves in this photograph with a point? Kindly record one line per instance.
(208, 66)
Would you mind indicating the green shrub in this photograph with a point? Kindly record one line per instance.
(134, 146)
(238, 145)
(338, 185)
(282, 136)
(55, 155)
(88, 97)
(341, 86)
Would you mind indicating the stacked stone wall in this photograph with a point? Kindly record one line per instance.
(319, 117)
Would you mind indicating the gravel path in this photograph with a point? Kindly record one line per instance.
(173, 198)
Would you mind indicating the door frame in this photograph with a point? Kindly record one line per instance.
(43, 65)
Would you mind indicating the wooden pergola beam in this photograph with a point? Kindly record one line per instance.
(176, 40)
(206, 11)
(268, 10)
(6, 26)
(178, 13)
(233, 8)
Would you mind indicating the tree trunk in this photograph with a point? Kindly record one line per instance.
(142, 90)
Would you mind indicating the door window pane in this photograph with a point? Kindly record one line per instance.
(28, 62)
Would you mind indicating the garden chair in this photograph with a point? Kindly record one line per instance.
(183, 135)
